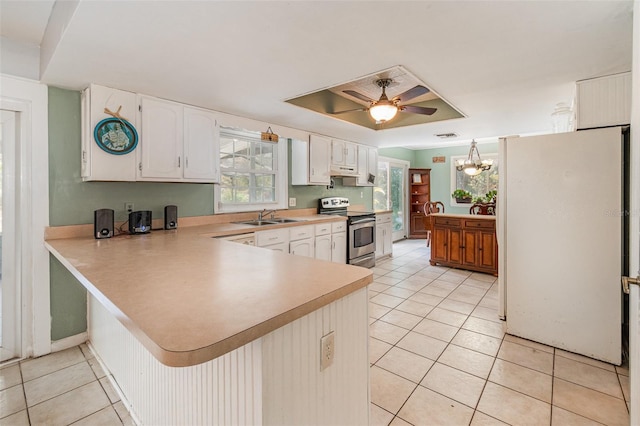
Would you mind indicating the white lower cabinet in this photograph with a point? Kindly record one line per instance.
(301, 240)
(326, 241)
(274, 239)
(384, 235)
(331, 242)
(302, 248)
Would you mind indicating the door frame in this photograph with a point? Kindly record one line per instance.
(405, 194)
(30, 100)
(11, 296)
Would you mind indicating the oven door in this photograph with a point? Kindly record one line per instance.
(362, 237)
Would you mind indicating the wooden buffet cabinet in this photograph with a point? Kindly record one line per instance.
(465, 242)
(420, 184)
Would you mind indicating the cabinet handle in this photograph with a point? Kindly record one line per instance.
(178, 162)
(480, 249)
(186, 162)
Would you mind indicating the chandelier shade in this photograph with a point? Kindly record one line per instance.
(473, 166)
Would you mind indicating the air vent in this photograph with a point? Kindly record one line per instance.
(447, 135)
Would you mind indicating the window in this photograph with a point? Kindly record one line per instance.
(478, 185)
(252, 172)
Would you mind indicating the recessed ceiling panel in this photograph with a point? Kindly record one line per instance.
(350, 101)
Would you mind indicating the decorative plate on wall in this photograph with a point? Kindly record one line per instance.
(116, 136)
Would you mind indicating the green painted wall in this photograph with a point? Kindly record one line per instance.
(72, 201)
(441, 172)
(400, 154)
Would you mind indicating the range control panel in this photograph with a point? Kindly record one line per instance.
(327, 203)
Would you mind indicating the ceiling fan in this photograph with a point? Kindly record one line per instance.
(385, 109)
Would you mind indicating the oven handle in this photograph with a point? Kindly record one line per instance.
(369, 219)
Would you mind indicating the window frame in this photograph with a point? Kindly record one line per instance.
(452, 182)
(280, 176)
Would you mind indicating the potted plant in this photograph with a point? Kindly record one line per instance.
(462, 196)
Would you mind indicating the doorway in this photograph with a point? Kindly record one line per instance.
(9, 244)
(390, 193)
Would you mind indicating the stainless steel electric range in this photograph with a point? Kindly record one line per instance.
(361, 230)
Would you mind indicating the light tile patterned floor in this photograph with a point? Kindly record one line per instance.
(439, 356)
(63, 388)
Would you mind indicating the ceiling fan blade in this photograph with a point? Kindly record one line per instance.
(418, 109)
(349, 110)
(357, 95)
(412, 93)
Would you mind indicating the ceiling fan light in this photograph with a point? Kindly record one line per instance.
(382, 112)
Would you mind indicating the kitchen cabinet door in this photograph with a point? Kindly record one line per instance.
(384, 235)
(161, 140)
(324, 247)
(96, 164)
(470, 248)
(311, 161)
(344, 157)
(488, 250)
(339, 247)
(319, 160)
(302, 247)
(201, 145)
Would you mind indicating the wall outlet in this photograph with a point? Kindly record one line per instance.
(327, 349)
(128, 207)
(292, 202)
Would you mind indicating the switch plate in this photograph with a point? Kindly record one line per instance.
(128, 207)
(292, 202)
(327, 350)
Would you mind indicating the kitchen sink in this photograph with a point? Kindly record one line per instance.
(256, 222)
(267, 222)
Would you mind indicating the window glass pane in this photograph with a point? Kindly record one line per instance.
(249, 168)
(480, 184)
(380, 191)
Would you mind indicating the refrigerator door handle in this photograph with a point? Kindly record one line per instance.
(628, 280)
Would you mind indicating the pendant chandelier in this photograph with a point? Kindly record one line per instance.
(473, 166)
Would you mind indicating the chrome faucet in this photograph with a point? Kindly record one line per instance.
(265, 212)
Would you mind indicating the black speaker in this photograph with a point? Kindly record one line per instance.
(103, 223)
(140, 222)
(170, 217)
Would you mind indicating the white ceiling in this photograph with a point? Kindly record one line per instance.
(504, 64)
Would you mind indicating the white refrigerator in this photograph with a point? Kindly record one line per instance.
(560, 239)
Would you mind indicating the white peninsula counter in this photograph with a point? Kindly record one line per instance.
(196, 330)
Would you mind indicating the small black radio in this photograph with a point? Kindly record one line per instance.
(140, 222)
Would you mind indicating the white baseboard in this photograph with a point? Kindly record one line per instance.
(69, 342)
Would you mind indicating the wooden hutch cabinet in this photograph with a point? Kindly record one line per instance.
(465, 242)
(420, 193)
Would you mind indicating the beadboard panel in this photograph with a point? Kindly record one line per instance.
(604, 101)
(295, 391)
(224, 391)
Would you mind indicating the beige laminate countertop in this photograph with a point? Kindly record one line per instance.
(190, 298)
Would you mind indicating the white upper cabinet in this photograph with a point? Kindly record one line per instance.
(310, 161)
(178, 143)
(201, 145)
(604, 101)
(367, 165)
(161, 140)
(97, 163)
(344, 158)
